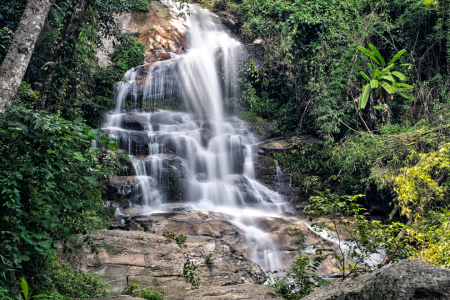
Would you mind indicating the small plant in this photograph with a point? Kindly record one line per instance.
(209, 261)
(26, 294)
(382, 77)
(300, 280)
(180, 239)
(151, 295)
(132, 290)
(190, 272)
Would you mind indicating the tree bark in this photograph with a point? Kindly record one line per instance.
(19, 53)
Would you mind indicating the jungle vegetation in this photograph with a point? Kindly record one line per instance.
(381, 133)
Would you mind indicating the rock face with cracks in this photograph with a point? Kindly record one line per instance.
(407, 280)
(155, 262)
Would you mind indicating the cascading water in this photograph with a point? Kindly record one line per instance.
(197, 157)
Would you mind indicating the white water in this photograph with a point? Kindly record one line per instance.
(203, 155)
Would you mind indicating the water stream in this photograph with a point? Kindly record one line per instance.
(197, 157)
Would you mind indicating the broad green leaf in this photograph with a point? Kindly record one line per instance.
(112, 147)
(364, 97)
(78, 120)
(387, 77)
(25, 289)
(405, 85)
(79, 156)
(376, 73)
(403, 95)
(369, 54)
(399, 75)
(374, 83)
(387, 87)
(377, 54)
(364, 76)
(390, 66)
(397, 56)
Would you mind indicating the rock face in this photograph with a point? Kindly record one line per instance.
(155, 262)
(267, 169)
(406, 280)
(161, 31)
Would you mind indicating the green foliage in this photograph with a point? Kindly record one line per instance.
(310, 79)
(180, 239)
(49, 186)
(26, 294)
(345, 217)
(301, 279)
(420, 186)
(422, 190)
(190, 271)
(132, 290)
(141, 5)
(70, 283)
(5, 40)
(128, 54)
(383, 77)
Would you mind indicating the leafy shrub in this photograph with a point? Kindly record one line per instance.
(141, 5)
(73, 284)
(190, 272)
(300, 280)
(49, 187)
(180, 239)
(128, 54)
(132, 290)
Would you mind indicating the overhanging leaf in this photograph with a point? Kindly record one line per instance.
(405, 85)
(399, 75)
(403, 95)
(387, 87)
(397, 56)
(364, 97)
(364, 76)
(369, 54)
(377, 54)
(390, 66)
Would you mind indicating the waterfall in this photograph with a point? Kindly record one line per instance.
(196, 156)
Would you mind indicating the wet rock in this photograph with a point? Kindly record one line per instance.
(135, 122)
(406, 280)
(118, 186)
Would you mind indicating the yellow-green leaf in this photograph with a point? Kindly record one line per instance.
(374, 83)
(364, 97)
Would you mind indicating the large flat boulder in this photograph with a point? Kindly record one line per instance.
(410, 279)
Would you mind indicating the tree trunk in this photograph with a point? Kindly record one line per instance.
(19, 53)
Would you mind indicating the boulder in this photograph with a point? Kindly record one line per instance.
(410, 279)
